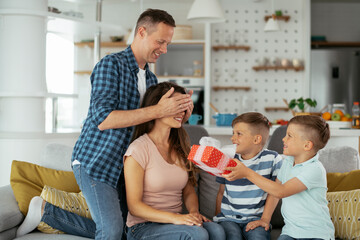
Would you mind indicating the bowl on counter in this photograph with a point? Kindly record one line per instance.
(339, 124)
(224, 119)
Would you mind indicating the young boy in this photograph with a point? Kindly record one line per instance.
(241, 202)
(301, 181)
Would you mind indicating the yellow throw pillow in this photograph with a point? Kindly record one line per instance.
(344, 210)
(72, 202)
(27, 181)
(343, 181)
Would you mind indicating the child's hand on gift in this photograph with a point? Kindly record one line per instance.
(236, 172)
(259, 223)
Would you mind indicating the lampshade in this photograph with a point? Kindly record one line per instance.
(206, 11)
(272, 25)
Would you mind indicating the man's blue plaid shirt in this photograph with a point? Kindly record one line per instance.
(113, 87)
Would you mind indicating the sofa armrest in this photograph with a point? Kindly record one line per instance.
(10, 215)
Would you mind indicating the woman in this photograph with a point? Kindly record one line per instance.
(159, 179)
(157, 176)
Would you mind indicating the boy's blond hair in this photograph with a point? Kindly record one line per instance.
(315, 129)
(259, 124)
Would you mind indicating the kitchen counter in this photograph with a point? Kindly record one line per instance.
(339, 137)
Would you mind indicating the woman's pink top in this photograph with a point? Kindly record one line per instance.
(163, 182)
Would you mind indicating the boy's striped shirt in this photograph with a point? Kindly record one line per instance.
(243, 201)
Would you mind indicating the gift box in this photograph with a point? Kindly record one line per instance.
(210, 159)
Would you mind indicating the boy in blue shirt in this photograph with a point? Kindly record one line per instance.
(301, 181)
(240, 202)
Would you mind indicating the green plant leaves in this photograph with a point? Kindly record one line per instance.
(301, 103)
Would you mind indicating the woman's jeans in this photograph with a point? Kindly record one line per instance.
(107, 206)
(286, 237)
(236, 231)
(166, 231)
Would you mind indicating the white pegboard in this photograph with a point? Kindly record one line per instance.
(245, 22)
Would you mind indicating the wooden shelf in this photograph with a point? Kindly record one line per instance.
(240, 47)
(217, 88)
(268, 109)
(284, 18)
(83, 72)
(179, 76)
(260, 68)
(102, 44)
(334, 44)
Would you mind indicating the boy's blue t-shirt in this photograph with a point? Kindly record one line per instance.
(306, 214)
(243, 201)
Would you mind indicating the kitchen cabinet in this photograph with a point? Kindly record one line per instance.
(316, 45)
(181, 59)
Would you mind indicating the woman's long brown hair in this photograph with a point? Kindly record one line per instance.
(179, 142)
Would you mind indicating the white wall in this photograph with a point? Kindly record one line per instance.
(268, 88)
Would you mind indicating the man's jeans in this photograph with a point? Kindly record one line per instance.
(236, 231)
(165, 231)
(107, 207)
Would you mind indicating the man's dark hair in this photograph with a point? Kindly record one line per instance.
(151, 17)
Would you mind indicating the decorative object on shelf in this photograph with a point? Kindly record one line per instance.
(74, 14)
(301, 104)
(206, 11)
(277, 64)
(116, 38)
(224, 119)
(197, 68)
(240, 47)
(217, 88)
(272, 24)
(182, 32)
(54, 10)
(260, 68)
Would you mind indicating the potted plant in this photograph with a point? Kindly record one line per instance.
(301, 104)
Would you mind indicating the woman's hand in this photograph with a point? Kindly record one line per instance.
(187, 219)
(201, 217)
(259, 223)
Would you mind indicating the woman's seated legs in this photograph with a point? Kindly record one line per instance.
(215, 231)
(162, 231)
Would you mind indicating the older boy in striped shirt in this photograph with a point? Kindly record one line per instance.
(240, 202)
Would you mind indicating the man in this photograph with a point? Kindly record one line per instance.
(119, 82)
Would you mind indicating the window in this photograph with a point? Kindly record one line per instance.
(60, 81)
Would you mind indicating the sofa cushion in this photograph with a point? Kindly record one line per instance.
(343, 181)
(27, 180)
(208, 189)
(344, 210)
(339, 159)
(9, 210)
(72, 202)
(56, 156)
